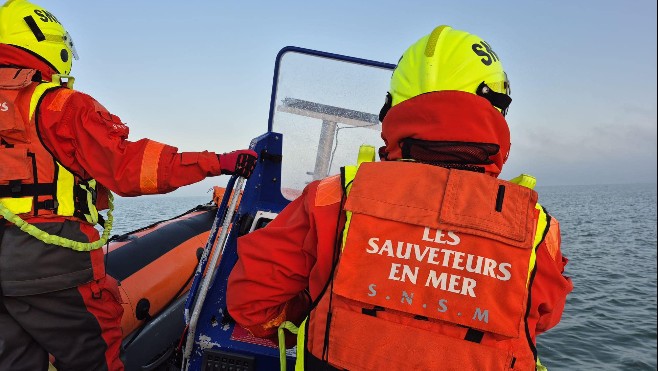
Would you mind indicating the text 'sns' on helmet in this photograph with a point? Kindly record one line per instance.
(32, 28)
(449, 59)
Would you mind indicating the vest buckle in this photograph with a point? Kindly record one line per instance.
(48, 204)
(15, 188)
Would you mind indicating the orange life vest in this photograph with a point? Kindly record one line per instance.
(434, 273)
(32, 182)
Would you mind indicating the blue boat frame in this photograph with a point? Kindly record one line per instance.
(262, 192)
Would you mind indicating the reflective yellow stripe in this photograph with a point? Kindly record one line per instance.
(430, 48)
(17, 205)
(92, 217)
(530, 181)
(148, 175)
(38, 92)
(541, 225)
(539, 234)
(349, 173)
(366, 154)
(65, 183)
(65, 179)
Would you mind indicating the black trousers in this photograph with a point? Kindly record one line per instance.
(80, 326)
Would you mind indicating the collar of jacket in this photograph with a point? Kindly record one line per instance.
(447, 116)
(13, 56)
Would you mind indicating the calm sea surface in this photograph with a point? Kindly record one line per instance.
(609, 236)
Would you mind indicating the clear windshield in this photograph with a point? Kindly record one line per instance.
(326, 109)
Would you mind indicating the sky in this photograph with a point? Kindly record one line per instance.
(197, 74)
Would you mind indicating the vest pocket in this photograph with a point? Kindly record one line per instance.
(16, 166)
(16, 170)
(363, 342)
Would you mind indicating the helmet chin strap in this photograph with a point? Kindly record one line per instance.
(498, 100)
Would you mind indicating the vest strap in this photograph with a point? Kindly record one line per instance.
(16, 189)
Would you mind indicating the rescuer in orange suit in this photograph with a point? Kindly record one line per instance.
(424, 260)
(60, 152)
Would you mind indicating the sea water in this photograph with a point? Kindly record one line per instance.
(609, 237)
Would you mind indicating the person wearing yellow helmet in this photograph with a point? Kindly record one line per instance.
(424, 260)
(439, 69)
(61, 153)
(29, 27)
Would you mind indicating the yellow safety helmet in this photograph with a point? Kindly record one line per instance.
(30, 27)
(449, 59)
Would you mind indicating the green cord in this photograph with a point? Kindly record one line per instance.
(57, 240)
(282, 341)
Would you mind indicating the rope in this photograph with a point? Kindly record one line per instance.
(57, 240)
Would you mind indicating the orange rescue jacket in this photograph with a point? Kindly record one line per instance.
(432, 279)
(32, 182)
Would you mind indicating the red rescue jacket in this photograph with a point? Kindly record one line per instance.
(73, 130)
(93, 143)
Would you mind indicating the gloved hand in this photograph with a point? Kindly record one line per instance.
(241, 162)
